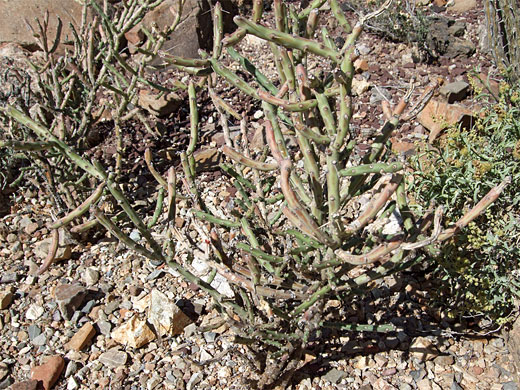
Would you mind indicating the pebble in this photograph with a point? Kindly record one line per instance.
(25, 385)
(194, 380)
(509, 386)
(69, 297)
(423, 349)
(34, 312)
(91, 276)
(334, 376)
(113, 358)
(71, 369)
(134, 333)
(81, 338)
(4, 370)
(6, 298)
(40, 340)
(49, 371)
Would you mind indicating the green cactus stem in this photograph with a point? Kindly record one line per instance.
(158, 208)
(27, 146)
(286, 105)
(261, 255)
(253, 71)
(240, 33)
(312, 23)
(218, 30)
(371, 168)
(338, 14)
(314, 5)
(374, 255)
(113, 229)
(149, 164)
(240, 158)
(81, 209)
(286, 40)
(194, 127)
(217, 221)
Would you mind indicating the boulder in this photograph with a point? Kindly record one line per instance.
(437, 116)
(194, 31)
(16, 15)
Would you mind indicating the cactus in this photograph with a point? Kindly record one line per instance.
(295, 243)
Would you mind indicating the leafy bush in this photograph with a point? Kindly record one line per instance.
(481, 265)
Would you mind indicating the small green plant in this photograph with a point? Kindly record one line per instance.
(481, 264)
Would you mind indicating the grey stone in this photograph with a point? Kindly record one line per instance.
(334, 375)
(154, 274)
(509, 386)
(11, 277)
(104, 327)
(194, 380)
(6, 383)
(69, 297)
(33, 331)
(111, 307)
(455, 92)
(455, 386)
(113, 358)
(40, 340)
(417, 375)
(71, 369)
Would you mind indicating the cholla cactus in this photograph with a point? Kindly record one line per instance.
(296, 244)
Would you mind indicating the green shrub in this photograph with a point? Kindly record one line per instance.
(481, 264)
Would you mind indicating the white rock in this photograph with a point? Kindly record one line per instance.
(165, 315)
(72, 384)
(194, 380)
(34, 312)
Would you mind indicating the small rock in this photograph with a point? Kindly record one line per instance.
(27, 385)
(105, 327)
(6, 298)
(455, 92)
(71, 369)
(159, 104)
(64, 252)
(207, 159)
(91, 276)
(72, 384)
(455, 386)
(361, 65)
(49, 372)
(258, 114)
(194, 380)
(31, 228)
(436, 116)
(40, 340)
(165, 315)
(446, 360)
(134, 333)
(509, 386)
(113, 358)
(81, 338)
(69, 298)
(34, 312)
(424, 384)
(360, 85)
(334, 376)
(11, 277)
(463, 5)
(4, 370)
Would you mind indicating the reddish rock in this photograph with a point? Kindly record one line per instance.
(437, 116)
(81, 338)
(49, 371)
(28, 385)
(361, 65)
